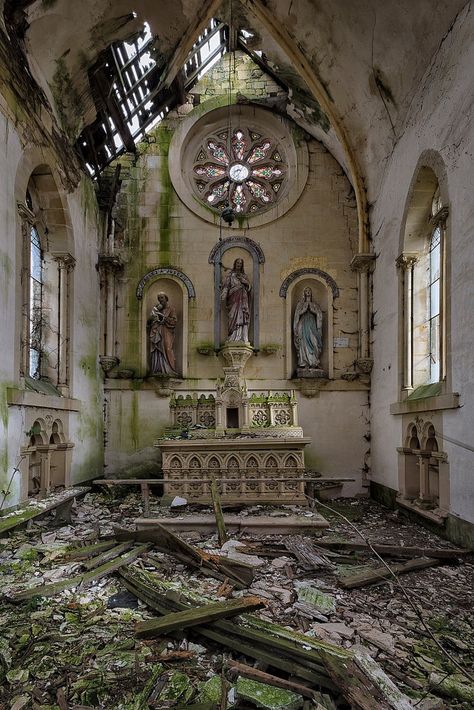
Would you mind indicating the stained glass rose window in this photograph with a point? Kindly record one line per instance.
(240, 167)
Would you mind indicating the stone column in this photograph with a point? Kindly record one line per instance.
(66, 264)
(362, 263)
(28, 219)
(108, 267)
(294, 409)
(406, 263)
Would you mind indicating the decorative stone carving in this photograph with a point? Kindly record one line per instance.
(365, 365)
(165, 271)
(162, 324)
(108, 363)
(309, 271)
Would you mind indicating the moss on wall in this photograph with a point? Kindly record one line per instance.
(67, 99)
(166, 248)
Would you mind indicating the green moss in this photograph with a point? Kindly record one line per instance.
(90, 208)
(6, 268)
(47, 4)
(134, 421)
(67, 99)
(89, 365)
(164, 136)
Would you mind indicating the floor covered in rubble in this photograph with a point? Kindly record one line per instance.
(78, 647)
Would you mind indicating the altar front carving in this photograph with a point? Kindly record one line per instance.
(247, 469)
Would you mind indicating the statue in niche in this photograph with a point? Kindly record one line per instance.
(235, 292)
(307, 335)
(162, 324)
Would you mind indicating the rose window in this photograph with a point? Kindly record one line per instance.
(242, 168)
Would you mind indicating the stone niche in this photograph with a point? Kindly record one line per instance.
(179, 301)
(322, 294)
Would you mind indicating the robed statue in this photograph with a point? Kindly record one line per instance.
(162, 324)
(235, 293)
(307, 332)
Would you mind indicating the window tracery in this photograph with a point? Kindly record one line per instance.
(240, 167)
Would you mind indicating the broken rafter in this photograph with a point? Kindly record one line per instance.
(216, 502)
(362, 579)
(238, 573)
(255, 674)
(393, 550)
(204, 614)
(50, 590)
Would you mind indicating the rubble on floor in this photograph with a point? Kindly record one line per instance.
(79, 600)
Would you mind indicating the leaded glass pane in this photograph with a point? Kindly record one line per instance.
(267, 172)
(239, 145)
(209, 171)
(258, 191)
(259, 152)
(219, 152)
(238, 198)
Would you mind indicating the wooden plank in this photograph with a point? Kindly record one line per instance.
(393, 550)
(108, 555)
(254, 674)
(216, 502)
(363, 579)
(146, 498)
(166, 541)
(82, 553)
(200, 615)
(49, 590)
(305, 552)
(28, 512)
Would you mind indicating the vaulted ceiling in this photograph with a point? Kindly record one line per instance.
(352, 67)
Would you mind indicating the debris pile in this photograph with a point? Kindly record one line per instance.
(100, 614)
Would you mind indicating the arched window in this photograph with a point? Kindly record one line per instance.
(35, 342)
(422, 270)
(45, 286)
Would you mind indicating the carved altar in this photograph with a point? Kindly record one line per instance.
(249, 441)
(251, 470)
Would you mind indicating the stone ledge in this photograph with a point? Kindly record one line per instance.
(438, 518)
(22, 398)
(450, 400)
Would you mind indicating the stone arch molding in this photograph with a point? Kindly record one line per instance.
(154, 274)
(322, 275)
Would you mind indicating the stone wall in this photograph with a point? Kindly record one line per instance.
(158, 230)
(439, 132)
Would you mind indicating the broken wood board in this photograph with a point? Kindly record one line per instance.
(204, 614)
(83, 553)
(258, 525)
(9, 521)
(255, 674)
(364, 684)
(393, 550)
(49, 590)
(305, 658)
(362, 579)
(278, 652)
(307, 553)
(108, 555)
(165, 540)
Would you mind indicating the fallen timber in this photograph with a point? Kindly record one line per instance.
(60, 503)
(239, 573)
(255, 524)
(306, 660)
(363, 579)
(393, 550)
(204, 614)
(49, 590)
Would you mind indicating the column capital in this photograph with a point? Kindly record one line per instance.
(406, 260)
(109, 262)
(64, 259)
(362, 261)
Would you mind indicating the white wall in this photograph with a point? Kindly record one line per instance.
(441, 120)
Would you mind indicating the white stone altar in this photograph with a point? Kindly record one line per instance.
(249, 441)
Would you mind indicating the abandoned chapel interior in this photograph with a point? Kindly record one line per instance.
(237, 323)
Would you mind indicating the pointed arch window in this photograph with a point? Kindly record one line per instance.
(35, 305)
(423, 283)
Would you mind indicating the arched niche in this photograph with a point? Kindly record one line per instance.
(177, 293)
(223, 256)
(324, 290)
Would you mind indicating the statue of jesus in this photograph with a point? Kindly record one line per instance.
(235, 292)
